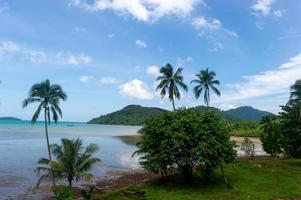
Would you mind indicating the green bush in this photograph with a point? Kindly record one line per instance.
(271, 135)
(63, 193)
(185, 139)
(248, 147)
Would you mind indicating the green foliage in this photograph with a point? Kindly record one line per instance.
(248, 147)
(291, 130)
(204, 83)
(169, 81)
(185, 139)
(48, 97)
(62, 193)
(73, 163)
(129, 115)
(87, 193)
(271, 136)
(251, 180)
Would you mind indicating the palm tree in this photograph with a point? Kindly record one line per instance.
(73, 163)
(204, 82)
(169, 82)
(48, 97)
(295, 96)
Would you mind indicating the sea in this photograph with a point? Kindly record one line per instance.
(22, 144)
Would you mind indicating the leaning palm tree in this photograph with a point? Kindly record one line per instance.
(169, 82)
(48, 97)
(204, 82)
(73, 163)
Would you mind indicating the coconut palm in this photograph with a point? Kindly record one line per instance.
(204, 82)
(48, 97)
(72, 162)
(169, 82)
(295, 96)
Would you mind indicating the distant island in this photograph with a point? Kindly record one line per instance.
(10, 118)
(136, 114)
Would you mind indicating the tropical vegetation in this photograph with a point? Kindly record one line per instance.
(73, 163)
(183, 140)
(48, 97)
(169, 81)
(204, 83)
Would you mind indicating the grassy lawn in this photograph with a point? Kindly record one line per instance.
(266, 179)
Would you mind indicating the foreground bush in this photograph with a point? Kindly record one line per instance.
(183, 140)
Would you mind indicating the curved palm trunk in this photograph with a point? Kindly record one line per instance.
(48, 145)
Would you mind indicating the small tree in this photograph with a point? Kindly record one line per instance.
(73, 161)
(248, 147)
(271, 136)
(185, 139)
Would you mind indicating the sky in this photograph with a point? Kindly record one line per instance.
(106, 54)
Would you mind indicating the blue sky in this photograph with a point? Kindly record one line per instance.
(106, 53)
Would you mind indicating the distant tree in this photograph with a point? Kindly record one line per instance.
(248, 147)
(183, 140)
(73, 163)
(204, 83)
(271, 136)
(169, 82)
(48, 97)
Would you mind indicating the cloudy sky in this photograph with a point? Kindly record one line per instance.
(106, 53)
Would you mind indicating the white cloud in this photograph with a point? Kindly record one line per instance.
(142, 10)
(262, 7)
(217, 46)
(9, 50)
(205, 26)
(141, 44)
(203, 23)
(111, 35)
(267, 83)
(153, 70)
(106, 81)
(86, 78)
(136, 89)
(278, 13)
(181, 62)
(80, 29)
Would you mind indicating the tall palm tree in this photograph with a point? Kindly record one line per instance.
(48, 97)
(204, 82)
(169, 82)
(73, 163)
(295, 96)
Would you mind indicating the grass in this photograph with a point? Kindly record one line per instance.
(260, 180)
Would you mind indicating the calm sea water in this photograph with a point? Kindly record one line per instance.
(22, 144)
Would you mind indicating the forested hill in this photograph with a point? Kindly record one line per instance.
(129, 115)
(247, 113)
(136, 114)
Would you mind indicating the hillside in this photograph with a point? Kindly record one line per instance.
(10, 118)
(129, 115)
(247, 113)
(136, 114)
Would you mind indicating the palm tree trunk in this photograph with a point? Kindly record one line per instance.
(173, 104)
(48, 145)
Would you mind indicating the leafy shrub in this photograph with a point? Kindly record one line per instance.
(62, 193)
(271, 136)
(185, 139)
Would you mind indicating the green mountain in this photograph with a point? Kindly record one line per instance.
(247, 113)
(136, 115)
(10, 118)
(129, 115)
